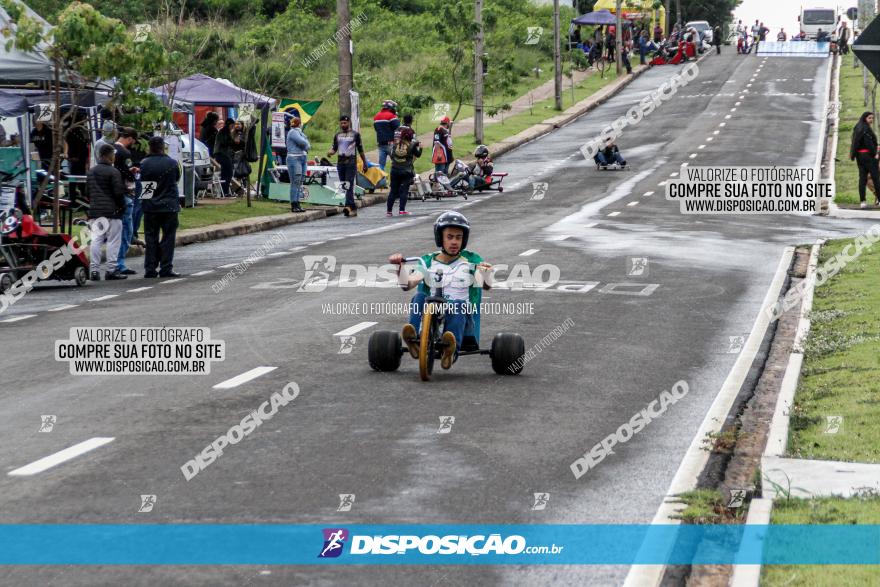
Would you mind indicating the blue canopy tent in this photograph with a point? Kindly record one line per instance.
(599, 17)
(203, 90)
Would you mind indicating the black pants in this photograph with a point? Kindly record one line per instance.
(159, 252)
(867, 164)
(225, 170)
(400, 182)
(348, 173)
(718, 49)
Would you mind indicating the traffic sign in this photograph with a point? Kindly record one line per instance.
(867, 47)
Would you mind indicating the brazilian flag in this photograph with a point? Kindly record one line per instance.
(306, 110)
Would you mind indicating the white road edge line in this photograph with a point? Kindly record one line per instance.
(60, 457)
(244, 377)
(695, 458)
(355, 329)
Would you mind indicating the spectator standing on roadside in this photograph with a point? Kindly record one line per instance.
(406, 149)
(658, 33)
(161, 204)
(124, 162)
(209, 131)
(297, 154)
(865, 151)
(385, 123)
(106, 192)
(441, 156)
(782, 37)
(716, 39)
(223, 153)
(41, 137)
(844, 39)
(347, 143)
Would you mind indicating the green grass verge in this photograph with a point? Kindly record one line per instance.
(206, 214)
(846, 173)
(825, 510)
(841, 371)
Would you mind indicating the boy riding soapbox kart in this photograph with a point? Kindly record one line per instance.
(386, 347)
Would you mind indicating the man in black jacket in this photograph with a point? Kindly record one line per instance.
(160, 201)
(107, 201)
(125, 164)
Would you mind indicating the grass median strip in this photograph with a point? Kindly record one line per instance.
(836, 410)
(837, 406)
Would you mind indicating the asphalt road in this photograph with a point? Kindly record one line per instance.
(355, 431)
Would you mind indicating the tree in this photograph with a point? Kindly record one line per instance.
(86, 50)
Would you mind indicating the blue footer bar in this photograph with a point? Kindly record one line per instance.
(485, 544)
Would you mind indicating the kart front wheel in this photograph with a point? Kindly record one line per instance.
(426, 344)
(80, 276)
(508, 353)
(384, 350)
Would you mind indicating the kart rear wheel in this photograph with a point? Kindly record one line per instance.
(507, 352)
(426, 344)
(80, 276)
(384, 350)
(500, 189)
(6, 282)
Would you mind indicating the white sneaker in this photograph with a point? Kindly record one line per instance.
(863, 205)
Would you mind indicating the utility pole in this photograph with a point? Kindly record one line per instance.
(618, 33)
(343, 28)
(557, 58)
(478, 73)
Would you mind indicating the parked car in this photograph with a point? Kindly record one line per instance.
(705, 30)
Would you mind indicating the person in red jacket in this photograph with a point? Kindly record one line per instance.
(385, 123)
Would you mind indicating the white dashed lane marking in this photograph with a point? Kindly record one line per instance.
(102, 298)
(60, 457)
(227, 266)
(137, 289)
(615, 214)
(355, 329)
(172, 280)
(529, 253)
(633, 203)
(244, 377)
(648, 194)
(17, 318)
(203, 272)
(64, 307)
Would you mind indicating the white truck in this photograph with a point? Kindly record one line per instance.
(813, 19)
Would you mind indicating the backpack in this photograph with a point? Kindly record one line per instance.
(400, 152)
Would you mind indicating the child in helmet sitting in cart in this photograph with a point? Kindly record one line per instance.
(478, 173)
(465, 275)
(609, 155)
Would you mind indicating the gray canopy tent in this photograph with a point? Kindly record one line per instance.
(203, 90)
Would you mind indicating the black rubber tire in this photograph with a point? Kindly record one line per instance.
(6, 281)
(80, 276)
(384, 350)
(506, 354)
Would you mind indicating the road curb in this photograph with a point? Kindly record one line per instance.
(256, 224)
